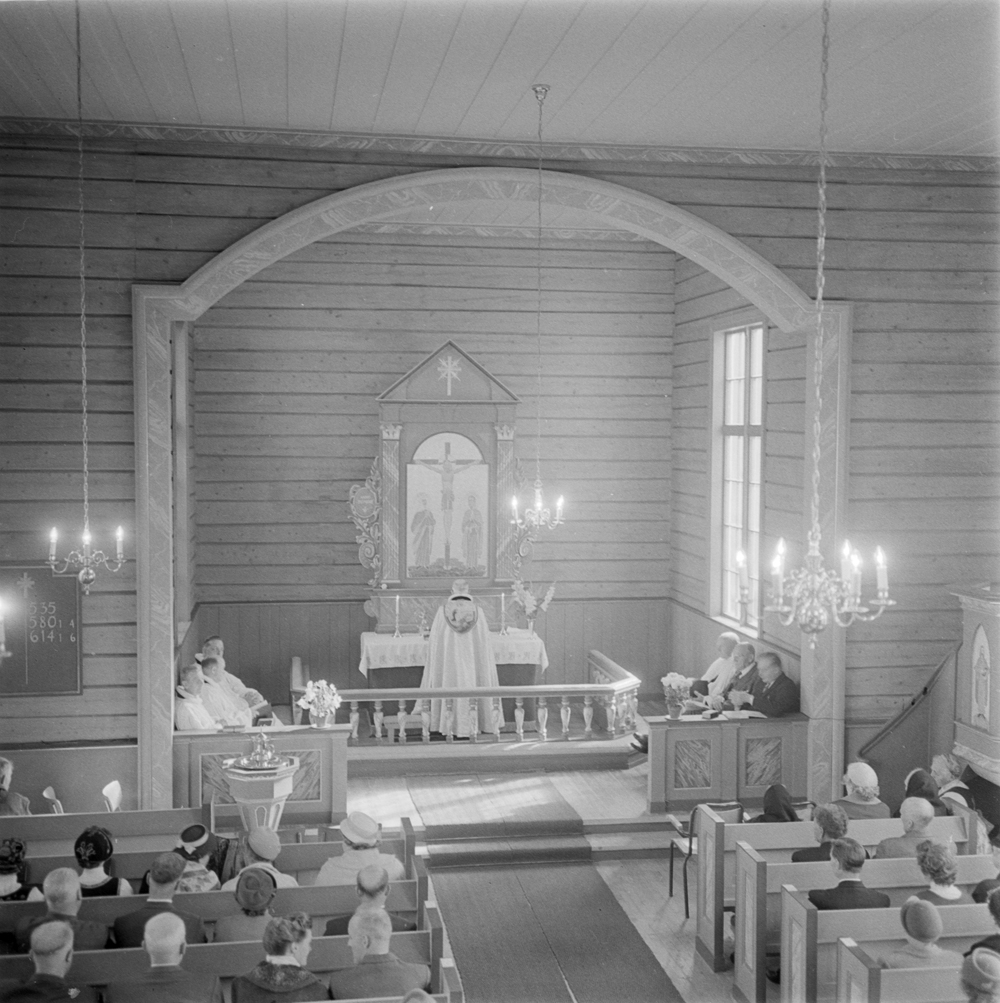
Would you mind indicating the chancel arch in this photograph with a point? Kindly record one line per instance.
(467, 197)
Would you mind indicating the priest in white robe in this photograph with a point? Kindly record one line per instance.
(460, 654)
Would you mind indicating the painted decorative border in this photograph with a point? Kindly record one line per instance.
(437, 146)
(470, 196)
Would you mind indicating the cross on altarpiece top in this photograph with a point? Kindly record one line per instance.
(448, 369)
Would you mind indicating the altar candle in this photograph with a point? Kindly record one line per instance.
(53, 536)
(559, 507)
(881, 571)
(846, 563)
(856, 576)
(119, 539)
(503, 607)
(3, 630)
(397, 609)
(741, 564)
(514, 507)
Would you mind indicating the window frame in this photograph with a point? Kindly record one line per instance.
(723, 325)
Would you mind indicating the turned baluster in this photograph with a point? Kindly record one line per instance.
(379, 716)
(542, 717)
(564, 712)
(497, 714)
(473, 720)
(633, 708)
(355, 719)
(519, 717)
(425, 720)
(449, 720)
(611, 709)
(401, 720)
(588, 716)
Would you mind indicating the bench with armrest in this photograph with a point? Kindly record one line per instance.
(328, 954)
(809, 939)
(775, 841)
(758, 900)
(861, 979)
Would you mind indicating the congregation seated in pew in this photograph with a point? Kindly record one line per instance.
(922, 926)
(829, 823)
(362, 836)
(980, 976)
(919, 783)
(777, 806)
(93, 849)
(847, 857)
(51, 952)
(772, 693)
(263, 848)
(937, 863)
(377, 971)
(373, 891)
(254, 892)
(916, 815)
(11, 803)
(196, 846)
(282, 974)
(993, 940)
(12, 854)
(61, 889)
(985, 888)
(947, 771)
(164, 875)
(862, 797)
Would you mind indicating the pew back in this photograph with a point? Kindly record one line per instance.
(809, 939)
(860, 979)
(775, 841)
(758, 899)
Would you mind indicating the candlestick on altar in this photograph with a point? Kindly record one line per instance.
(503, 613)
(396, 633)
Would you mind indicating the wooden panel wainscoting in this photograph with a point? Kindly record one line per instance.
(261, 639)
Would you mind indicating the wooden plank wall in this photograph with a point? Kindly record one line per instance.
(916, 250)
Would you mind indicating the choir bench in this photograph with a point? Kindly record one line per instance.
(759, 900)
(861, 979)
(809, 939)
(775, 841)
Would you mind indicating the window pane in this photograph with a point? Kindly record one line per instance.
(753, 515)
(756, 373)
(735, 378)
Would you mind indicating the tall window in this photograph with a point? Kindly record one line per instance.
(742, 423)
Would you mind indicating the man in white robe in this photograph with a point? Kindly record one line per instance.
(459, 654)
(190, 712)
(219, 700)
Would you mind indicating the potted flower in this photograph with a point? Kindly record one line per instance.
(321, 699)
(676, 688)
(532, 606)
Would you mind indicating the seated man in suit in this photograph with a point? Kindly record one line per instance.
(915, 814)
(377, 971)
(829, 823)
(373, 891)
(163, 940)
(743, 677)
(922, 926)
(52, 954)
(847, 856)
(61, 889)
(773, 693)
(166, 871)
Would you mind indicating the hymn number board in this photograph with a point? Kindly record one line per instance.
(41, 631)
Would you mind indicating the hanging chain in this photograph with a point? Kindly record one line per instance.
(83, 278)
(541, 90)
(814, 531)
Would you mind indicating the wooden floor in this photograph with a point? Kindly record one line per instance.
(639, 884)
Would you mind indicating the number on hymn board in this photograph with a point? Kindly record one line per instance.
(41, 627)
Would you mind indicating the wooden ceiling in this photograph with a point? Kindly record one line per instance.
(906, 76)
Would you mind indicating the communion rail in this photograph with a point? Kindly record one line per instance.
(616, 691)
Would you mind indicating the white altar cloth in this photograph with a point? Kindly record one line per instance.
(383, 651)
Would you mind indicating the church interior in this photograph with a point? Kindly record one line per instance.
(468, 345)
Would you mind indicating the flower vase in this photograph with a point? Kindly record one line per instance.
(674, 710)
(324, 721)
(531, 625)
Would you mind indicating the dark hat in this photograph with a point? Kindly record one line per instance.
(167, 868)
(921, 920)
(254, 889)
(195, 842)
(93, 846)
(12, 853)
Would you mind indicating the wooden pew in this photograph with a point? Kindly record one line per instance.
(775, 841)
(320, 902)
(48, 835)
(302, 860)
(809, 940)
(860, 979)
(98, 968)
(758, 900)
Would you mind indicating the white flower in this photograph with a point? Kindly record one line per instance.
(320, 698)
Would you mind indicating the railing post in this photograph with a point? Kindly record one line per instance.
(611, 709)
(542, 717)
(519, 717)
(401, 720)
(355, 719)
(588, 716)
(449, 719)
(473, 719)
(496, 713)
(425, 720)
(377, 721)
(564, 712)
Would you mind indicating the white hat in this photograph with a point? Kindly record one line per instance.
(862, 775)
(360, 829)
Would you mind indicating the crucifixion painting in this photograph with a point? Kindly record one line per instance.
(444, 467)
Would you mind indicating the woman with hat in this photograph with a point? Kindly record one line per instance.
(981, 976)
(262, 848)
(282, 975)
(862, 799)
(11, 803)
(94, 847)
(255, 890)
(12, 854)
(362, 835)
(196, 846)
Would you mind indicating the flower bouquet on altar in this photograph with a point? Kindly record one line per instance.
(532, 606)
(321, 699)
(676, 689)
